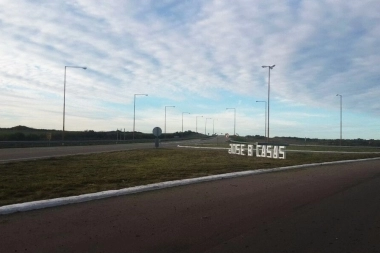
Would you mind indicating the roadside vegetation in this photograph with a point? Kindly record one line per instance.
(22, 136)
(74, 175)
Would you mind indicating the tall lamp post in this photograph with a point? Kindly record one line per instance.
(182, 121)
(196, 123)
(134, 112)
(265, 106)
(64, 97)
(206, 124)
(340, 118)
(165, 116)
(269, 68)
(213, 124)
(234, 118)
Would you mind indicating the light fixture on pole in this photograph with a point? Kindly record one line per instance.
(134, 112)
(64, 98)
(265, 119)
(269, 68)
(196, 123)
(165, 116)
(206, 124)
(234, 119)
(182, 121)
(340, 118)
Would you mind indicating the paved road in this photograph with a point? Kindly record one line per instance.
(331, 208)
(18, 154)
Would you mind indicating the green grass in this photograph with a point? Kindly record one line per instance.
(74, 175)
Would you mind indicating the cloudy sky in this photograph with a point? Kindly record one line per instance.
(199, 56)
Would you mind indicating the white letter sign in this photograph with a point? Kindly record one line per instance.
(268, 151)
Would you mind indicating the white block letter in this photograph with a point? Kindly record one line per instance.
(250, 150)
(275, 152)
(242, 149)
(264, 151)
(269, 151)
(282, 154)
(258, 150)
(237, 149)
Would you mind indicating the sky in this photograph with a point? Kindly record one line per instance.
(199, 56)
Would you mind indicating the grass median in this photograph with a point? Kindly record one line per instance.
(80, 174)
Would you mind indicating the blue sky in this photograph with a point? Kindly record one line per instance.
(199, 56)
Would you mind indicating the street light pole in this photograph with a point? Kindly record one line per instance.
(234, 118)
(64, 98)
(269, 68)
(206, 124)
(182, 121)
(265, 107)
(134, 112)
(165, 116)
(340, 118)
(213, 124)
(196, 123)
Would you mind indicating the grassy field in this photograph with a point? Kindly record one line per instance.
(74, 175)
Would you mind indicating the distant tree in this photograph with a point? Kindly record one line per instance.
(18, 136)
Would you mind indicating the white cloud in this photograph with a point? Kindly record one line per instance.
(182, 50)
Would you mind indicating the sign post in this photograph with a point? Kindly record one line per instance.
(157, 132)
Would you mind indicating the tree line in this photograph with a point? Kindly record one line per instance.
(23, 133)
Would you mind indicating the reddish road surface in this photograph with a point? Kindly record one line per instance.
(334, 208)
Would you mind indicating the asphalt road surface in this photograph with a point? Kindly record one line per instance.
(331, 208)
(19, 154)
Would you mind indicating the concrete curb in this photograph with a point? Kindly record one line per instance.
(28, 206)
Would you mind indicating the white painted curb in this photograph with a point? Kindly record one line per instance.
(22, 207)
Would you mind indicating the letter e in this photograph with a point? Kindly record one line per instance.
(242, 149)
